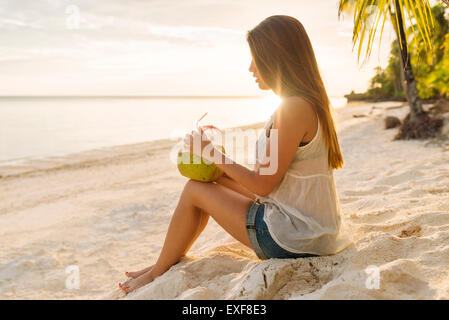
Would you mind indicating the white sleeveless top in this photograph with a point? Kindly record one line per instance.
(303, 211)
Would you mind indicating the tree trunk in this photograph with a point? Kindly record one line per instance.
(417, 124)
(401, 79)
(411, 91)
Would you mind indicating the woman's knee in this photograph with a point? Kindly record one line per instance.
(191, 188)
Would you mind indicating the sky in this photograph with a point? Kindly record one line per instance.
(163, 47)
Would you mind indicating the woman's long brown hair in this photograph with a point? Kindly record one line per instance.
(284, 57)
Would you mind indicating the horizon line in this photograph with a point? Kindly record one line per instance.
(128, 96)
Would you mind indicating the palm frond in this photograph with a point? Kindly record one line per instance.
(367, 15)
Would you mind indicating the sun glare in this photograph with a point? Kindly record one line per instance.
(270, 104)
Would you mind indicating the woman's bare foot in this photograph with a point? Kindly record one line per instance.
(137, 274)
(134, 284)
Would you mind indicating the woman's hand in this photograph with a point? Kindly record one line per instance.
(197, 142)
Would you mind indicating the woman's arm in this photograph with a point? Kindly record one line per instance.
(263, 179)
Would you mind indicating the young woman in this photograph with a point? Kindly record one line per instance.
(290, 213)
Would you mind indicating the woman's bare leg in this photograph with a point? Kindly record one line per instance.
(227, 207)
(225, 181)
(234, 185)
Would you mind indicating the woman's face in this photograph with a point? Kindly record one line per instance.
(260, 82)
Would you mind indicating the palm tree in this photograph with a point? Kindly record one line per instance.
(367, 16)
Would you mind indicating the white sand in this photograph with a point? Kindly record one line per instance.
(107, 211)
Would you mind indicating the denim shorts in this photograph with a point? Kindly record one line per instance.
(259, 236)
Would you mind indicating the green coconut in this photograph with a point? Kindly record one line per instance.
(195, 167)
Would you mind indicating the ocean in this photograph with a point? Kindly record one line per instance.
(41, 127)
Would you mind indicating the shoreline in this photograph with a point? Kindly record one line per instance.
(93, 157)
(124, 152)
(362, 97)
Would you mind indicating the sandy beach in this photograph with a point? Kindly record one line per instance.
(106, 211)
